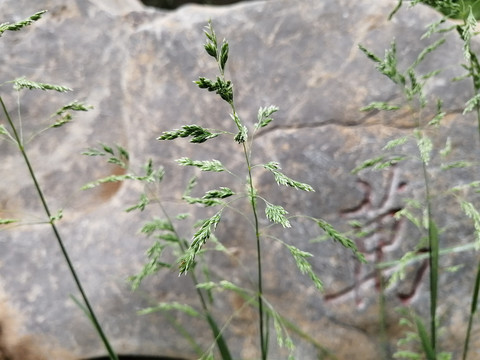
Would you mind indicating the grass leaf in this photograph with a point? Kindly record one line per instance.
(23, 83)
(264, 116)
(198, 134)
(282, 179)
(379, 106)
(395, 142)
(4, 221)
(207, 165)
(343, 240)
(21, 24)
(223, 55)
(424, 339)
(199, 239)
(470, 210)
(304, 266)
(276, 214)
(425, 146)
(169, 306)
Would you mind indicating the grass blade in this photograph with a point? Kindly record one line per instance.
(426, 342)
(473, 310)
(433, 259)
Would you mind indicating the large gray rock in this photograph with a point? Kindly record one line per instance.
(136, 66)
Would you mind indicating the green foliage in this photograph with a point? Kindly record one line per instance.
(221, 87)
(64, 115)
(376, 105)
(8, 221)
(304, 266)
(16, 137)
(208, 165)
(199, 239)
(171, 306)
(264, 116)
(198, 134)
(21, 24)
(380, 162)
(211, 197)
(341, 239)
(473, 214)
(23, 83)
(154, 264)
(276, 214)
(420, 213)
(216, 197)
(282, 179)
(453, 9)
(118, 155)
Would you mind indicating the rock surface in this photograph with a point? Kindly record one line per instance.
(136, 66)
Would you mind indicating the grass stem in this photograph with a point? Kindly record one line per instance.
(433, 262)
(263, 337)
(217, 334)
(91, 314)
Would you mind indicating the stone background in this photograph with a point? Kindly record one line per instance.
(136, 65)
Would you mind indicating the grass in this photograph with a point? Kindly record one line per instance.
(225, 198)
(412, 85)
(187, 252)
(15, 135)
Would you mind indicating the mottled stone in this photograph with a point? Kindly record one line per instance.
(136, 65)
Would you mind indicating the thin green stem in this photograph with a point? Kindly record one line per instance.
(433, 261)
(263, 338)
(217, 334)
(382, 315)
(473, 310)
(263, 328)
(93, 317)
(477, 111)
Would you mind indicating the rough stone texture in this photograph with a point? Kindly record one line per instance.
(136, 66)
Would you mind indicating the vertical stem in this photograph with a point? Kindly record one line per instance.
(93, 318)
(263, 337)
(263, 328)
(219, 339)
(433, 261)
(383, 316)
(473, 310)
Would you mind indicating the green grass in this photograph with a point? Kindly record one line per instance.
(187, 251)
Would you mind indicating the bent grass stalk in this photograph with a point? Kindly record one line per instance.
(467, 11)
(166, 231)
(217, 333)
(204, 231)
(63, 116)
(412, 88)
(274, 213)
(51, 221)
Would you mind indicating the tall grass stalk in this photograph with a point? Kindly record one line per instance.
(274, 213)
(166, 230)
(412, 85)
(468, 12)
(17, 138)
(52, 219)
(433, 255)
(216, 332)
(473, 311)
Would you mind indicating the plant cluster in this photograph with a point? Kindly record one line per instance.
(411, 82)
(190, 251)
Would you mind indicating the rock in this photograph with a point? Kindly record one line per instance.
(15, 346)
(136, 66)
